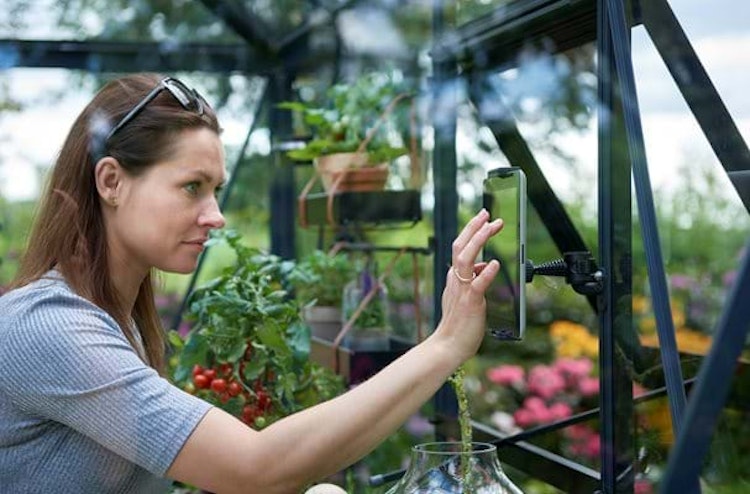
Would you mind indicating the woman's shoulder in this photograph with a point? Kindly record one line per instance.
(42, 302)
(49, 287)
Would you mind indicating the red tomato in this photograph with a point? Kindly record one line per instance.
(219, 385)
(263, 400)
(201, 381)
(226, 369)
(234, 388)
(249, 413)
(210, 374)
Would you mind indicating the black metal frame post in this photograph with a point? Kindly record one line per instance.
(614, 14)
(445, 101)
(283, 191)
(615, 318)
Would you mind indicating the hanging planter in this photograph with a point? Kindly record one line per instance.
(354, 138)
(350, 172)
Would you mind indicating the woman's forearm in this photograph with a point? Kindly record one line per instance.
(223, 455)
(336, 433)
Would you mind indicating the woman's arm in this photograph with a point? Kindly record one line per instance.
(223, 455)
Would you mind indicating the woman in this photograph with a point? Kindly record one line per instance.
(83, 405)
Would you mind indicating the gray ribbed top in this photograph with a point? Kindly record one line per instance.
(79, 410)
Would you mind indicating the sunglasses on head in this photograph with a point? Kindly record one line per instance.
(187, 97)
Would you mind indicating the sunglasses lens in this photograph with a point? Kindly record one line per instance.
(186, 96)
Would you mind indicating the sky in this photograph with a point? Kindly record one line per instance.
(718, 33)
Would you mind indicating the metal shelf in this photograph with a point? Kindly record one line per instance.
(376, 208)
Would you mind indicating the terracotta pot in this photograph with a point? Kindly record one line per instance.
(358, 176)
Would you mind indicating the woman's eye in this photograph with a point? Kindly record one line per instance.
(192, 188)
(218, 191)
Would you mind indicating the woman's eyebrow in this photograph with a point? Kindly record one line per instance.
(207, 177)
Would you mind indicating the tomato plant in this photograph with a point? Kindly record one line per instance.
(248, 349)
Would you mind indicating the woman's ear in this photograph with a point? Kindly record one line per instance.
(108, 175)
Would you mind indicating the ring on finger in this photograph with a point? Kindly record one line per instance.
(461, 278)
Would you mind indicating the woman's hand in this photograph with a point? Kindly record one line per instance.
(463, 303)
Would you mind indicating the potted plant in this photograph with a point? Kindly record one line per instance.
(318, 280)
(248, 349)
(366, 308)
(405, 299)
(350, 145)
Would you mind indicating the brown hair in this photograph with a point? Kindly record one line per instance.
(68, 233)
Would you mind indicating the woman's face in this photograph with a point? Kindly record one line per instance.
(163, 216)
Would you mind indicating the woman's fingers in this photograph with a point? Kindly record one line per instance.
(486, 274)
(463, 258)
(459, 244)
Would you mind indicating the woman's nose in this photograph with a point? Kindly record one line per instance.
(212, 216)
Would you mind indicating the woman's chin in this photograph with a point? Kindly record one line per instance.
(185, 267)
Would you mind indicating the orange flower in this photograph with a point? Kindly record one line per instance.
(573, 340)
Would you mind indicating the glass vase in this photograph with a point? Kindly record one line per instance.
(444, 468)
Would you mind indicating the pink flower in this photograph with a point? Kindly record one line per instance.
(540, 414)
(506, 374)
(545, 381)
(588, 386)
(523, 417)
(642, 486)
(560, 411)
(574, 368)
(593, 446)
(577, 432)
(585, 442)
(534, 403)
(638, 390)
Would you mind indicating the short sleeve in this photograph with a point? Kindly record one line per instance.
(64, 359)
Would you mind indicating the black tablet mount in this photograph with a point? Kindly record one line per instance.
(578, 268)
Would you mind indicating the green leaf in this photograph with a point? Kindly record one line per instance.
(298, 337)
(175, 340)
(272, 338)
(194, 352)
(255, 367)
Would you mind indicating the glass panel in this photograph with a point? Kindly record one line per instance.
(702, 227)
(547, 100)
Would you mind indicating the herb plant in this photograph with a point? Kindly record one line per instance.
(343, 120)
(320, 278)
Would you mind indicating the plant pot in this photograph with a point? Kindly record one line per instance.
(358, 176)
(370, 330)
(324, 321)
(367, 339)
(443, 467)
